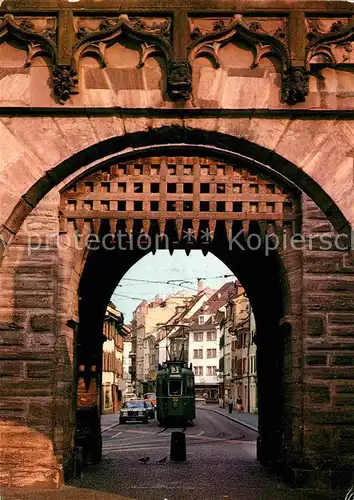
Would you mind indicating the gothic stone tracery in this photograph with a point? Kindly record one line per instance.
(328, 41)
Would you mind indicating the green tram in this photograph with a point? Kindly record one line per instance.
(175, 393)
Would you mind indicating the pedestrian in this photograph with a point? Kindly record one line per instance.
(239, 404)
(230, 402)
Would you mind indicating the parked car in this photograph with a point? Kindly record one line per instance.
(150, 408)
(134, 410)
(150, 396)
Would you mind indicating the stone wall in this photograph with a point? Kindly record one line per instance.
(32, 409)
(328, 308)
(231, 86)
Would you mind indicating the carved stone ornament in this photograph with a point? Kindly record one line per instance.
(295, 85)
(324, 44)
(27, 25)
(179, 80)
(64, 83)
(208, 43)
(23, 30)
(139, 25)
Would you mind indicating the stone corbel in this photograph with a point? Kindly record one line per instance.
(179, 80)
(65, 82)
(295, 85)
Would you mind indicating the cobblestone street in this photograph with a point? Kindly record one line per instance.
(220, 464)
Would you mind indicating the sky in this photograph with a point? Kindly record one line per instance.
(163, 267)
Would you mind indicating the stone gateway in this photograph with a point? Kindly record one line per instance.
(141, 121)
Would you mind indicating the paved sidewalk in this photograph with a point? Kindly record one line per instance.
(247, 419)
(109, 421)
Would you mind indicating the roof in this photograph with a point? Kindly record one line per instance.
(114, 313)
(179, 316)
(211, 306)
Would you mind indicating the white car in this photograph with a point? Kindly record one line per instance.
(134, 410)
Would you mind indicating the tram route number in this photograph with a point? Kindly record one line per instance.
(174, 369)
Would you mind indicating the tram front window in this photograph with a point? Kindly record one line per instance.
(175, 388)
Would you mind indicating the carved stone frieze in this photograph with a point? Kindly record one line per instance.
(266, 37)
(45, 27)
(179, 80)
(265, 40)
(160, 28)
(37, 36)
(295, 85)
(209, 37)
(330, 42)
(200, 27)
(94, 36)
(27, 25)
(219, 25)
(108, 24)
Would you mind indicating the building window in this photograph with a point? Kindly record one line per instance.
(198, 337)
(201, 320)
(244, 365)
(211, 370)
(198, 370)
(211, 336)
(198, 353)
(175, 388)
(253, 365)
(211, 353)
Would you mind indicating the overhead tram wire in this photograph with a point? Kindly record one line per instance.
(140, 300)
(169, 282)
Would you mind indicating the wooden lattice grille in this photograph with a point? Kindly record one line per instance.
(178, 189)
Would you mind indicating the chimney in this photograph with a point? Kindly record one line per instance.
(200, 285)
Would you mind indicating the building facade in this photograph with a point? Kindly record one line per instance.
(113, 383)
(204, 340)
(244, 354)
(147, 319)
(127, 360)
(237, 368)
(173, 337)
